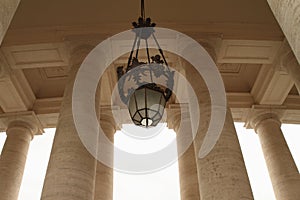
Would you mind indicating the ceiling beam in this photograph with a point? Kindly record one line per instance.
(18, 93)
(272, 86)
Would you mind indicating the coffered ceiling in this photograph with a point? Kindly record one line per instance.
(242, 36)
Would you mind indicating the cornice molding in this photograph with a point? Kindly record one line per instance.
(47, 110)
(243, 31)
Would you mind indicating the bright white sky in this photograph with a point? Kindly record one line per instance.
(161, 185)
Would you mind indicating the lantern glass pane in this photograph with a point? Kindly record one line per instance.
(137, 123)
(137, 117)
(140, 98)
(153, 98)
(157, 117)
(146, 106)
(143, 113)
(132, 105)
(151, 113)
(155, 122)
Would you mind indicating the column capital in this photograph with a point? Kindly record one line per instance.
(259, 114)
(27, 120)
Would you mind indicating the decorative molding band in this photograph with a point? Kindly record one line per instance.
(36, 55)
(247, 51)
(47, 110)
(100, 32)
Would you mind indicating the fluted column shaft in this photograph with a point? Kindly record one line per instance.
(287, 13)
(71, 170)
(188, 177)
(7, 11)
(222, 173)
(281, 166)
(104, 174)
(13, 159)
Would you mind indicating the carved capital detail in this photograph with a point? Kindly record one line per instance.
(260, 113)
(26, 119)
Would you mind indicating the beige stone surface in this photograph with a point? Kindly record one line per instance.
(71, 169)
(13, 159)
(34, 69)
(281, 166)
(189, 186)
(7, 11)
(104, 174)
(287, 14)
(222, 173)
(293, 69)
(188, 178)
(289, 63)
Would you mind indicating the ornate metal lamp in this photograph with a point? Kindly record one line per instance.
(145, 98)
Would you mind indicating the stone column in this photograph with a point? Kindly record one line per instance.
(281, 166)
(104, 174)
(189, 187)
(222, 173)
(20, 132)
(71, 169)
(287, 13)
(13, 159)
(7, 11)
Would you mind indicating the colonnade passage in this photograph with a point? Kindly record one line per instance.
(282, 169)
(73, 173)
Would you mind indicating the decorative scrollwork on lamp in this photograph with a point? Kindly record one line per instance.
(145, 98)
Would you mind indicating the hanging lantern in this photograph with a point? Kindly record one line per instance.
(145, 98)
(146, 105)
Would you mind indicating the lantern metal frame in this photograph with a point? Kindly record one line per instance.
(155, 66)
